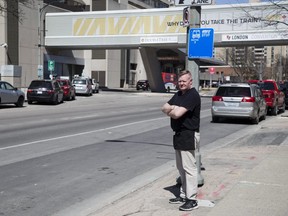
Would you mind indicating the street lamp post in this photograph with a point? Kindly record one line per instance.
(40, 65)
(40, 30)
(40, 35)
(193, 66)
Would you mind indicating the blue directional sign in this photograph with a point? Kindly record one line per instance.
(200, 43)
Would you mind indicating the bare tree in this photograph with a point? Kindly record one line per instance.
(12, 7)
(272, 14)
(243, 63)
(280, 68)
(285, 68)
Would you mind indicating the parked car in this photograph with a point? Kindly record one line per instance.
(239, 100)
(274, 97)
(284, 88)
(83, 86)
(11, 95)
(48, 91)
(143, 84)
(170, 86)
(95, 86)
(69, 92)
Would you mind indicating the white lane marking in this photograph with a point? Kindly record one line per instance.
(78, 134)
(88, 132)
(80, 117)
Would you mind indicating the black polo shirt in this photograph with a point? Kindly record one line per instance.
(192, 102)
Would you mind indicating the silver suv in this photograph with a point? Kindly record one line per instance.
(82, 86)
(239, 100)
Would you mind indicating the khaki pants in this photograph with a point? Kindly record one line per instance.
(186, 165)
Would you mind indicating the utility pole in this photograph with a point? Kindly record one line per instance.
(193, 65)
(41, 8)
(40, 65)
(193, 14)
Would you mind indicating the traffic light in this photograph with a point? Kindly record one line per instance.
(186, 16)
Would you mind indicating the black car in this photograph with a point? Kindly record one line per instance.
(284, 88)
(45, 91)
(143, 84)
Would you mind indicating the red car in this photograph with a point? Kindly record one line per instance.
(274, 97)
(68, 89)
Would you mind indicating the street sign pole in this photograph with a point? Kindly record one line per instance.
(51, 67)
(193, 65)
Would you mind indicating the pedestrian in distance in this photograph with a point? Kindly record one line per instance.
(184, 111)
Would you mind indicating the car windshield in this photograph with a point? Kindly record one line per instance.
(79, 81)
(267, 86)
(234, 92)
(40, 84)
(142, 81)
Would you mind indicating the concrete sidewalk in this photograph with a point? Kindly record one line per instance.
(248, 180)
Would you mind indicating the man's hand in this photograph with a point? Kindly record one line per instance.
(167, 108)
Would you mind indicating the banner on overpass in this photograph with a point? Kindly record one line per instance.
(162, 26)
(253, 37)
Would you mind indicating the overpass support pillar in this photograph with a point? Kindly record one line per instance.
(153, 69)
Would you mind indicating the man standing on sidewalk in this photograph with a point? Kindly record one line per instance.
(184, 110)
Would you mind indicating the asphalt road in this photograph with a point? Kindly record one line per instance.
(53, 157)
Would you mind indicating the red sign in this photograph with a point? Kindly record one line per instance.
(211, 70)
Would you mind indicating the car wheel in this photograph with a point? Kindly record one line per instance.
(69, 97)
(215, 119)
(55, 102)
(274, 110)
(264, 115)
(59, 100)
(256, 120)
(62, 99)
(20, 102)
(283, 107)
(74, 97)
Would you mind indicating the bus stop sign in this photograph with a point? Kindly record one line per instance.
(200, 43)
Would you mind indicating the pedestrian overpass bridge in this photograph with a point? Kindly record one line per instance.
(147, 29)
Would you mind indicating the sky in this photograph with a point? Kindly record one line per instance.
(236, 1)
(231, 1)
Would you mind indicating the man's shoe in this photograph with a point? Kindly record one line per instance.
(177, 200)
(189, 205)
